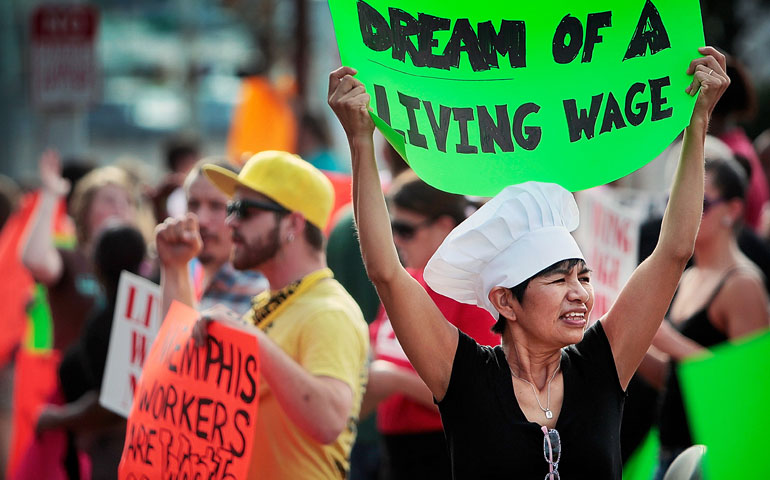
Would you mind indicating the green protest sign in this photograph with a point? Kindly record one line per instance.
(480, 95)
(727, 396)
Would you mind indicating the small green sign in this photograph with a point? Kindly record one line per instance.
(478, 97)
(727, 396)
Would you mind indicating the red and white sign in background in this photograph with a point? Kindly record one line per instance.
(610, 221)
(63, 55)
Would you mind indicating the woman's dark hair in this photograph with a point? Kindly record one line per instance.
(411, 193)
(518, 290)
(728, 177)
(117, 248)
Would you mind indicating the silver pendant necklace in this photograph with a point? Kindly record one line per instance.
(547, 409)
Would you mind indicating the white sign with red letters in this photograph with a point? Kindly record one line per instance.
(135, 325)
(610, 220)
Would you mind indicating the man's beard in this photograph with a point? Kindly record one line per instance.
(250, 256)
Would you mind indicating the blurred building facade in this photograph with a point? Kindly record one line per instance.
(165, 66)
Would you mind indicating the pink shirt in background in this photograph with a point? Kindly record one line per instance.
(758, 192)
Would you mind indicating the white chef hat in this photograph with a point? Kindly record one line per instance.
(520, 232)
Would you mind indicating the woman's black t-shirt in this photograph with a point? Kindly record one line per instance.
(489, 437)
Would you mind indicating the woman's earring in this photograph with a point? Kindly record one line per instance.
(726, 222)
(290, 238)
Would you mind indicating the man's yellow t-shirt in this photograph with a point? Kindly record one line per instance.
(323, 330)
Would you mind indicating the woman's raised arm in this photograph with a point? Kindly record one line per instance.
(39, 253)
(633, 320)
(426, 337)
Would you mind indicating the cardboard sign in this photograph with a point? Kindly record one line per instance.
(195, 407)
(477, 96)
(726, 397)
(134, 326)
(609, 239)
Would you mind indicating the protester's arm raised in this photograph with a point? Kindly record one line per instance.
(39, 254)
(178, 241)
(428, 339)
(634, 319)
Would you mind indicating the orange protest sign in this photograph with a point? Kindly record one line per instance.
(16, 284)
(195, 408)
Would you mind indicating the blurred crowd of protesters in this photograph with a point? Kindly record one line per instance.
(234, 240)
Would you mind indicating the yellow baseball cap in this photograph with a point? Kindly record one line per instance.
(286, 178)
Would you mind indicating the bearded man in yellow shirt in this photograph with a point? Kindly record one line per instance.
(313, 340)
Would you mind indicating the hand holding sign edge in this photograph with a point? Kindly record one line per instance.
(709, 75)
(350, 102)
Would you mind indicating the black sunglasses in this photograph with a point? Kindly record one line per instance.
(551, 452)
(407, 230)
(241, 207)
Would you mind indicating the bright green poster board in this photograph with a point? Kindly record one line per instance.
(481, 95)
(644, 461)
(39, 334)
(727, 397)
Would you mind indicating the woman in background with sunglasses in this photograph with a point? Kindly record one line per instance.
(548, 401)
(409, 421)
(721, 297)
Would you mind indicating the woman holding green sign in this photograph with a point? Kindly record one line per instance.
(548, 401)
